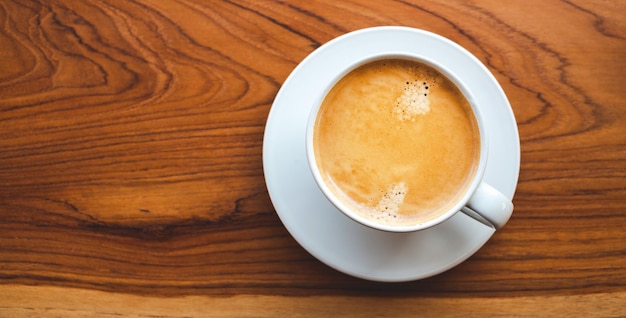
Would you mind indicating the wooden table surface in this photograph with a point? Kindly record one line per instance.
(131, 177)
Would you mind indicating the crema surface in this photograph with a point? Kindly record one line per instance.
(397, 142)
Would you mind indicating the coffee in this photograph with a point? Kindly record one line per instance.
(397, 142)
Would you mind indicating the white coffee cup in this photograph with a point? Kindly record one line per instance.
(480, 200)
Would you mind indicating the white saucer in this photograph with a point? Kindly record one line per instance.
(334, 238)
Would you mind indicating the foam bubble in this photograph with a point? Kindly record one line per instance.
(414, 101)
(388, 206)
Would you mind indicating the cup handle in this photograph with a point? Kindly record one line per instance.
(491, 204)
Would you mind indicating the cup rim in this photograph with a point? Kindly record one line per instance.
(342, 207)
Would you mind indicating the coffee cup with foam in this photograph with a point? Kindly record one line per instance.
(397, 143)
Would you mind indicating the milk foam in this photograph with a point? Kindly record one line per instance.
(389, 204)
(413, 101)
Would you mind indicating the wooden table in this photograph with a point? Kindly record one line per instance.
(131, 178)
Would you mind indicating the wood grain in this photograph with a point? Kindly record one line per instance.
(131, 154)
(67, 302)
